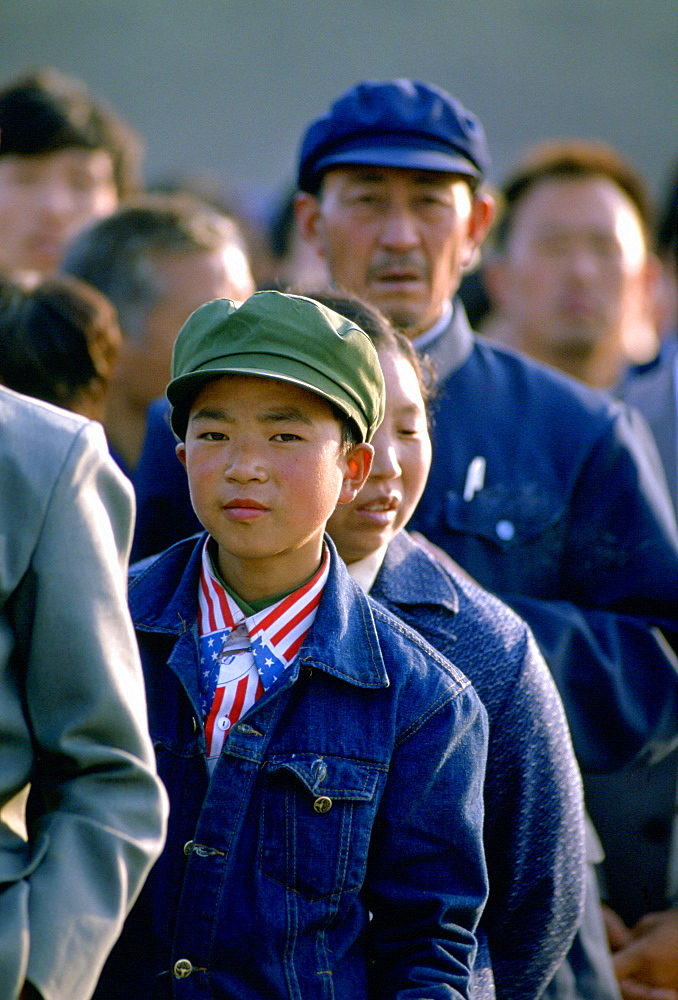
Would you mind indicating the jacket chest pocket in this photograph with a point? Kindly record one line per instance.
(511, 536)
(316, 819)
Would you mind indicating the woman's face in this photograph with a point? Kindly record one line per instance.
(402, 458)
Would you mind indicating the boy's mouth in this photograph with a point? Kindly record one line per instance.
(241, 509)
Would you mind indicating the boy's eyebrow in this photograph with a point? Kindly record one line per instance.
(209, 413)
(286, 413)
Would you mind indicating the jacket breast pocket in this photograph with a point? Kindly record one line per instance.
(316, 821)
(511, 534)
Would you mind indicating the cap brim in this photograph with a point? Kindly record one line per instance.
(407, 159)
(182, 391)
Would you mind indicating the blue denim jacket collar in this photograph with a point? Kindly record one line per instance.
(429, 585)
(170, 607)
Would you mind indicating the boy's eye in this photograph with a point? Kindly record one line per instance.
(213, 436)
(286, 436)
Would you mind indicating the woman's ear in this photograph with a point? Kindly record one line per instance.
(358, 465)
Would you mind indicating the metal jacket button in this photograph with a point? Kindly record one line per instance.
(322, 804)
(182, 968)
(188, 847)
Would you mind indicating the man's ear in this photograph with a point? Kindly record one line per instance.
(307, 218)
(181, 452)
(481, 217)
(358, 465)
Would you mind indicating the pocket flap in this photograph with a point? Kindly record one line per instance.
(507, 515)
(338, 777)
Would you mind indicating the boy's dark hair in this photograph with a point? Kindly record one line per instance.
(56, 338)
(45, 111)
(565, 160)
(116, 254)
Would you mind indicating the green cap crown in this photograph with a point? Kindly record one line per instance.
(281, 336)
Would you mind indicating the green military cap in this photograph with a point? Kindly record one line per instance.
(281, 336)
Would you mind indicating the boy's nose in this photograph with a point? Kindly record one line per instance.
(244, 466)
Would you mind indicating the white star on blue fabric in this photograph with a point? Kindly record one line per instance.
(267, 663)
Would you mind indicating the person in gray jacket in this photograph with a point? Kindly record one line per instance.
(82, 812)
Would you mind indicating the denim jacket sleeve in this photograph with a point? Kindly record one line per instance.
(611, 643)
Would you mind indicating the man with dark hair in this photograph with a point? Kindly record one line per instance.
(546, 491)
(157, 259)
(572, 275)
(65, 159)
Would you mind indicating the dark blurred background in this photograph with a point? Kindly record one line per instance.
(222, 89)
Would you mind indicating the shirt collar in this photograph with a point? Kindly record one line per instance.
(428, 336)
(447, 348)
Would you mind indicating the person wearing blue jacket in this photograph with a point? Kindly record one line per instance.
(324, 764)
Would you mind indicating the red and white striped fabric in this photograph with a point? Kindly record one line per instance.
(242, 656)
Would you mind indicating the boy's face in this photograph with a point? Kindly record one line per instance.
(266, 468)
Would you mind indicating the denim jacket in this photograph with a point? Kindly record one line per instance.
(534, 830)
(336, 850)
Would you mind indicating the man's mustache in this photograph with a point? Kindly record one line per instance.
(387, 264)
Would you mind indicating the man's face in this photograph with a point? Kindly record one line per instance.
(399, 239)
(266, 468)
(574, 272)
(188, 280)
(46, 200)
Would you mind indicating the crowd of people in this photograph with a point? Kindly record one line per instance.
(387, 705)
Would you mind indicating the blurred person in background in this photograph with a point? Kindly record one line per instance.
(157, 258)
(66, 159)
(574, 281)
(572, 276)
(59, 341)
(655, 391)
(642, 865)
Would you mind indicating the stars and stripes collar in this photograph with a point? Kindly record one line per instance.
(275, 634)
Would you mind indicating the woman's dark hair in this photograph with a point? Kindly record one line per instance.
(57, 338)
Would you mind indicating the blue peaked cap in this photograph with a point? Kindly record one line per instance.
(394, 123)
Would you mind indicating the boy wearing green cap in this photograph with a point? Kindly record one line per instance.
(324, 764)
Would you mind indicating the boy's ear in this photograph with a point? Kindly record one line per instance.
(181, 452)
(358, 465)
